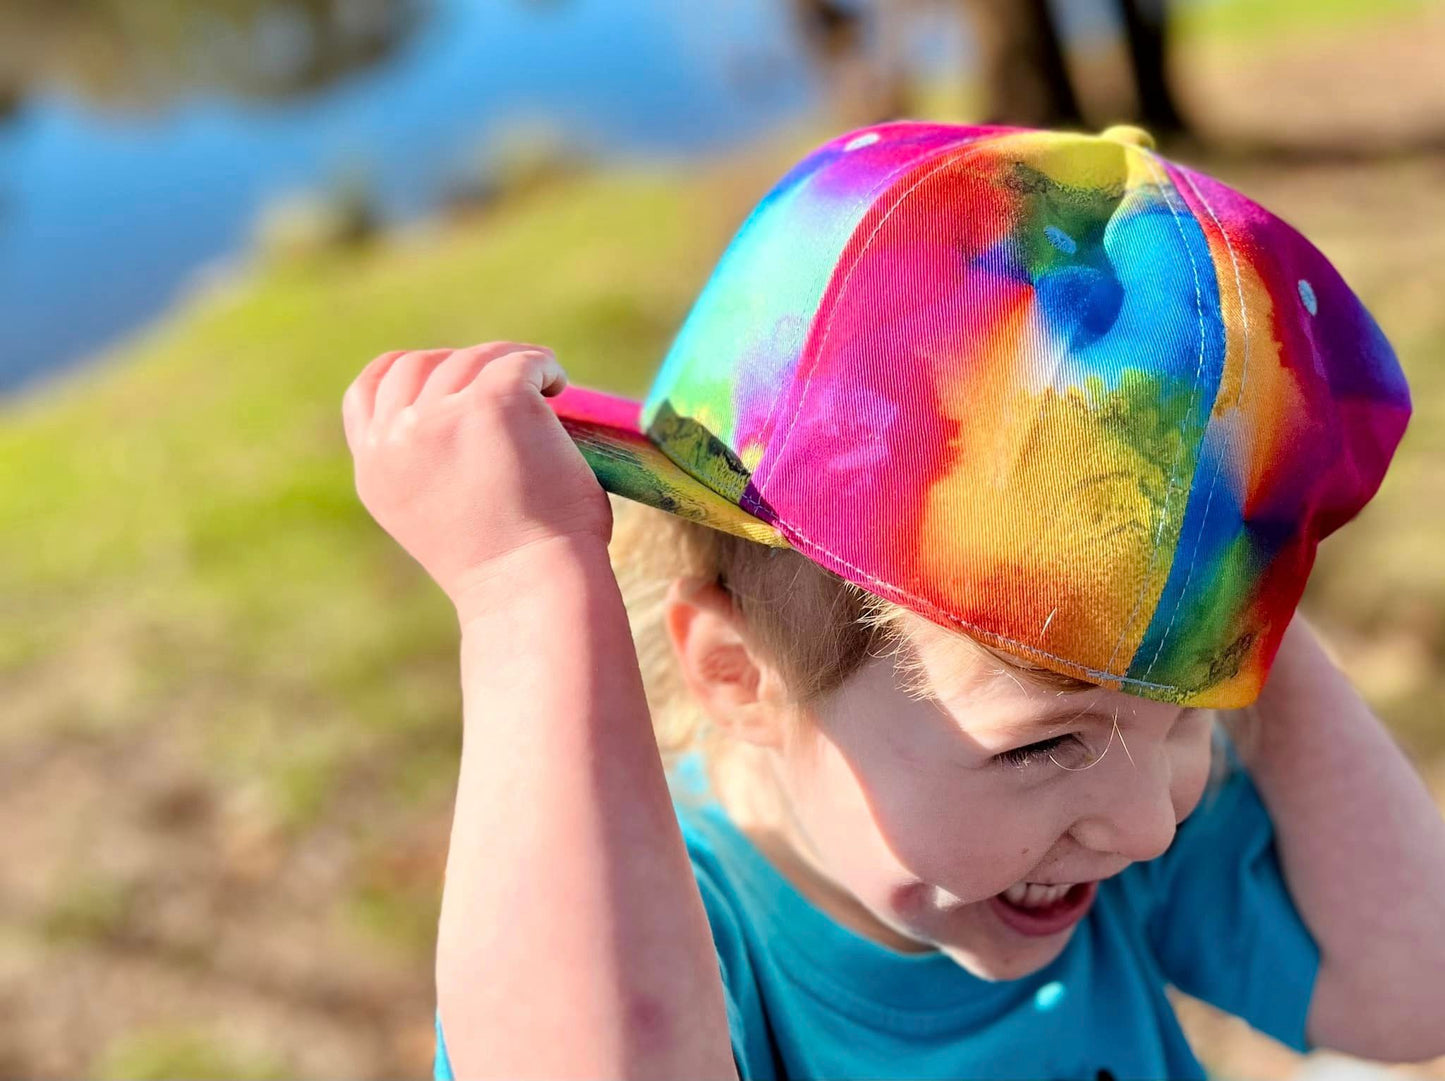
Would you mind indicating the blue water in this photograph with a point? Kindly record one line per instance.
(104, 219)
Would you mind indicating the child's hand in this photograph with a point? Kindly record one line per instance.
(462, 462)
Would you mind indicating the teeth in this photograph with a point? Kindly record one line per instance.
(1032, 895)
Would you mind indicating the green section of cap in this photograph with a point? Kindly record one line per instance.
(697, 450)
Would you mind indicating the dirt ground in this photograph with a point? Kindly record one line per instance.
(154, 923)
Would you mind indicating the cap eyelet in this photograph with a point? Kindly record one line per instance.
(1060, 239)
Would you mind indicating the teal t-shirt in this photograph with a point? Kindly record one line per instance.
(806, 997)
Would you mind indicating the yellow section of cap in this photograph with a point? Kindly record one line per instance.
(1129, 135)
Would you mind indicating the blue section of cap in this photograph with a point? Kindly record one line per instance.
(1193, 334)
(1166, 319)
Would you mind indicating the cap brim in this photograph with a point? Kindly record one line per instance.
(607, 430)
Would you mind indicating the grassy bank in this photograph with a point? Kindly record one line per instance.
(192, 494)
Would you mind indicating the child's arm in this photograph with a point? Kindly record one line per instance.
(1362, 846)
(572, 939)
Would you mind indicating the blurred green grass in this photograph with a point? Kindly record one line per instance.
(164, 1052)
(1244, 22)
(193, 494)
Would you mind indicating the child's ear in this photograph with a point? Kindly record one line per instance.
(740, 692)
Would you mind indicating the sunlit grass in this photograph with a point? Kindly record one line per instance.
(1245, 21)
(162, 1053)
(195, 489)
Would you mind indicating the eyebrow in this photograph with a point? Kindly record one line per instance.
(1042, 727)
(1054, 720)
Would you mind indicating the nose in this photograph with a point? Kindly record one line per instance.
(1134, 814)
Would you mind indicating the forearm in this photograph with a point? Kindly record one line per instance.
(1362, 846)
(572, 939)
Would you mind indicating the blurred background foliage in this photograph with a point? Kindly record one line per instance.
(129, 55)
(229, 732)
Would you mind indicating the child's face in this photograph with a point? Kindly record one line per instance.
(904, 803)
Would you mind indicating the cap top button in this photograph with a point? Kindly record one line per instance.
(1129, 135)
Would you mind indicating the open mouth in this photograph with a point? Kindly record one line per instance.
(1032, 909)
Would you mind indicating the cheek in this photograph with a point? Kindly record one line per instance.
(1191, 762)
(890, 822)
(971, 836)
(833, 804)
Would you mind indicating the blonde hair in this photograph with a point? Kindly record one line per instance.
(815, 628)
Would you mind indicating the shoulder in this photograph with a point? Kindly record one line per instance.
(1229, 810)
(728, 885)
(1221, 867)
(720, 860)
(1218, 912)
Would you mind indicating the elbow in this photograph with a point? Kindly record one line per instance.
(1393, 1018)
(1401, 1047)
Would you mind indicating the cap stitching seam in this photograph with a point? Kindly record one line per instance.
(1239, 395)
(587, 434)
(1193, 399)
(594, 444)
(756, 500)
(966, 148)
(758, 210)
(596, 448)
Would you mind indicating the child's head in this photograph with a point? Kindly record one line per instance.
(885, 756)
(1092, 407)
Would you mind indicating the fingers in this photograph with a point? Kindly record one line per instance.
(555, 381)
(394, 381)
(463, 366)
(541, 370)
(357, 402)
(403, 381)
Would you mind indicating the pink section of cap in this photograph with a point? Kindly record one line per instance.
(609, 410)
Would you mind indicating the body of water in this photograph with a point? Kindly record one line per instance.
(107, 211)
(106, 215)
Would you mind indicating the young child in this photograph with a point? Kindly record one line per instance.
(995, 463)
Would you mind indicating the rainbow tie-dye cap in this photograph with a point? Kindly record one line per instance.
(1049, 389)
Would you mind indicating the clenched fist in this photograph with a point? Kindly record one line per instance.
(459, 458)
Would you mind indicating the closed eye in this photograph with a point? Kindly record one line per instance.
(1034, 752)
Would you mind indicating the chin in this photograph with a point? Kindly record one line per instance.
(996, 965)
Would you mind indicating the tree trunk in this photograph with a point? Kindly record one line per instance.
(1022, 64)
(1146, 24)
